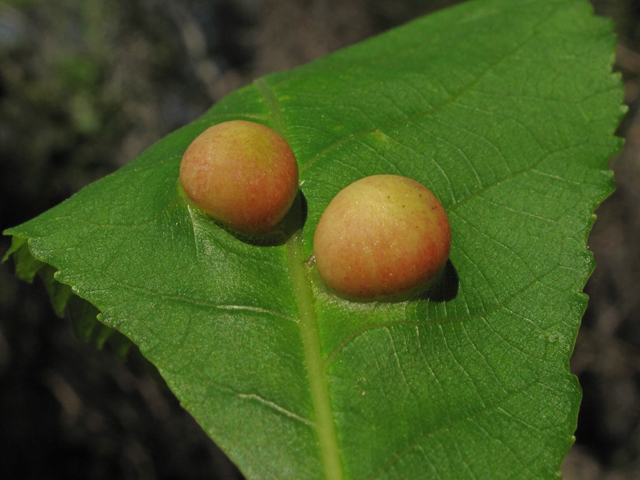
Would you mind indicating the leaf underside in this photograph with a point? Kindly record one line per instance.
(505, 110)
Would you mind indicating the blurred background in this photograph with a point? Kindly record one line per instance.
(86, 85)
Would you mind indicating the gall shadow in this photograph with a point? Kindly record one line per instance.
(444, 287)
(441, 289)
(291, 223)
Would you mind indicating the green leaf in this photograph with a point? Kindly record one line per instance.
(505, 110)
(26, 265)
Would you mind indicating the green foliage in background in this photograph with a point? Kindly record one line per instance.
(506, 111)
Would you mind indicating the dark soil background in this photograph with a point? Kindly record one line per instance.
(86, 85)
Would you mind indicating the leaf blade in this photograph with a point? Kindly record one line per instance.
(501, 110)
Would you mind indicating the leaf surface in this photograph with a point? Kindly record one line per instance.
(505, 110)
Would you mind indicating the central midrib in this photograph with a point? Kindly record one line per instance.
(315, 364)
